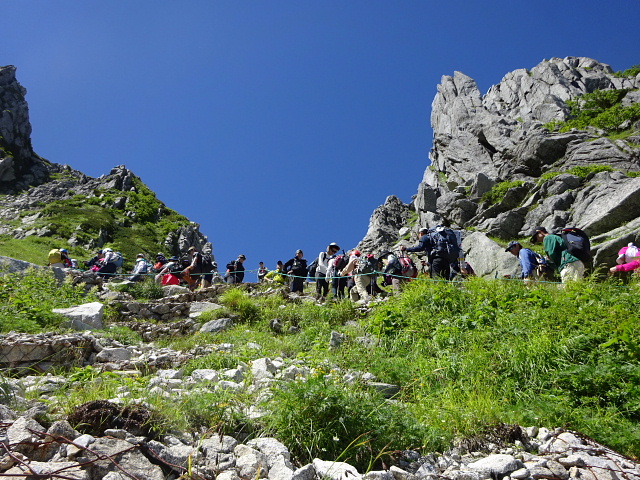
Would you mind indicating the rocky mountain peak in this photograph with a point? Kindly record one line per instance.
(500, 165)
(19, 165)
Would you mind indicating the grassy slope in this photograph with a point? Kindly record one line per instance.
(466, 355)
(136, 228)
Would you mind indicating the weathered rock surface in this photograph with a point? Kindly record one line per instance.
(481, 140)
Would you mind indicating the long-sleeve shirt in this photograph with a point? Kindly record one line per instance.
(323, 263)
(627, 267)
(557, 251)
(424, 245)
(528, 262)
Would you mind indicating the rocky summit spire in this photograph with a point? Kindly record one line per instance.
(501, 163)
(19, 165)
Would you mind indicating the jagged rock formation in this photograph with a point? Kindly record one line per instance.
(481, 141)
(19, 165)
(32, 184)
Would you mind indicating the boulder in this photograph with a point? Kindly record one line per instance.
(487, 258)
(88, 316)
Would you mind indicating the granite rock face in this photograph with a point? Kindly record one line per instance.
(19, 165)
(480, 141)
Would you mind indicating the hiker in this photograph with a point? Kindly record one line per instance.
(262, 272)
(169, 275)
(108, 265)
(140, 269)
(628, 259)
(194, 269)
(94, 262)
(161, 261)
(322, 285)
(569, 266)
(392, 270)
(338, 283)
(296, 268)
(361, 268)
(436, 245)
(235, 270)
(204, 265)
(276, 276)
(528, 260)
(59, 257)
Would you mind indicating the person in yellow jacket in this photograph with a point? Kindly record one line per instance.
(276, 276)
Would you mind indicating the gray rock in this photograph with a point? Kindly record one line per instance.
(84, 317)
(198, 308)
(68, 470)
(214, 445)
(250, 463)
(124, 455)
(117, 354)
(496, 465)
(487, 257)
(215, 326)
(306, 472)
(335, 470)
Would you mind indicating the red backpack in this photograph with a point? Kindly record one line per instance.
(409, 268)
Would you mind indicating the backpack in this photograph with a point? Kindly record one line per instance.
(119, 260)
(409, 268)
(577, 243)
(445, 244)
(176, 268)
(366, 264)
(542, 266)
(312, 268)
(231, 266)
(207, 263)
(55, 256)
(339, 263)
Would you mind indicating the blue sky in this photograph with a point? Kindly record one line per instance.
(276, 125)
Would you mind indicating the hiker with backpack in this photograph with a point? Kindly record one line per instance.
(392, 270)
(140, 269)
(527, 258)
(296, 268)
(338, 283)
(319, 270)
(170, 273)
(441, 245)
(235, 270)
(556, 247)
(361, 268)
(108, 263)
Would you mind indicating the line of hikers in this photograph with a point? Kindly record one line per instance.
(567, 252)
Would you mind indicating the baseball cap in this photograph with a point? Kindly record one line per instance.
(535, 232)
(242, 256)
(511, 245)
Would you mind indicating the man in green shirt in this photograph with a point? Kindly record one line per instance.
(570, 267)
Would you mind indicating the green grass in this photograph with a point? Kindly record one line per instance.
(497, 193)
(466, 355)
(600, 109)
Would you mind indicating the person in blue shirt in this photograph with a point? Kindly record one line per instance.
(527, 258)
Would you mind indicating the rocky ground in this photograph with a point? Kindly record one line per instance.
(112, 438)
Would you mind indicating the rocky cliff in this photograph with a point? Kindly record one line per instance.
(506, 161)
(45, 203)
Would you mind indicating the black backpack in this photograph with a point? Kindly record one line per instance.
(312, 268)
(207, 263)
(577, 243)
(231, 266)
(444, 244)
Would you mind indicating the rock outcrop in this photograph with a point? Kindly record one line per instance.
(483, 141)
(30, 184)
(19, 165)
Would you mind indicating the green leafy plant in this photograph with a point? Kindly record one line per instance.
(499, 190)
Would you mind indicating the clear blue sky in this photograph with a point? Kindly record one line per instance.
(276, 125)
